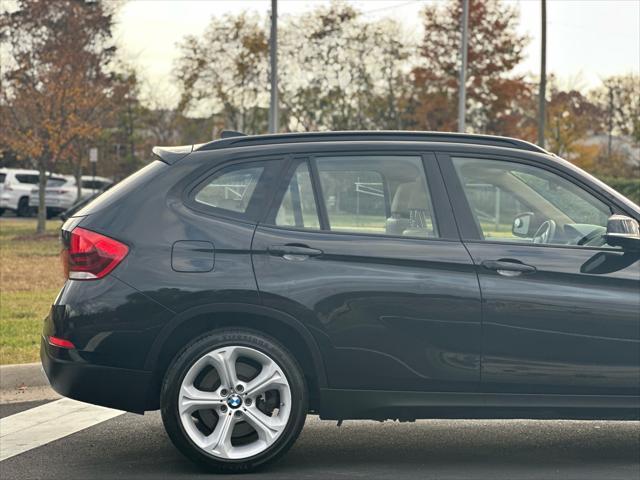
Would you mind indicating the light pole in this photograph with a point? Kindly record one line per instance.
(273, 53)
(542, 91)
(463, 66)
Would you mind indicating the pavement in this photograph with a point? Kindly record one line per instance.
(64, 439)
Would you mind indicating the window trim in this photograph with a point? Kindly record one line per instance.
(469, 230)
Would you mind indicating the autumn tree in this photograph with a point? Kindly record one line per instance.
(492, 91)
(54, 79)
(570, 119)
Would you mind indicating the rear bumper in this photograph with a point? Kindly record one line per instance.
(106, 386)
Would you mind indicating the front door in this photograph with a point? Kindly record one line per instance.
(354, 250)
(561, 308)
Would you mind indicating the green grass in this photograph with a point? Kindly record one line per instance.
(30, 277)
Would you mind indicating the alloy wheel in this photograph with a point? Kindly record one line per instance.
(234, 402)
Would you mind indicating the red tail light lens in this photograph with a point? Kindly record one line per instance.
(61, 343)
(91, 255)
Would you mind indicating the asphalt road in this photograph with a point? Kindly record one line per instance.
(136, 447)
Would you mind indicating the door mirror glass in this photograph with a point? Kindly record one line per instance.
(522, 225)
(623, 231)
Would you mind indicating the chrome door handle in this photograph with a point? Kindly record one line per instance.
(293, 252)
(508, 268)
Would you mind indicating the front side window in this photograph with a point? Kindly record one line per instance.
(231, 189)
(521, 203)
(384, 195)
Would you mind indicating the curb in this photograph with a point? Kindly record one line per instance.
(28, 375)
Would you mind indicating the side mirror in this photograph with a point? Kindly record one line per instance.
(623, 231)
(522, 224)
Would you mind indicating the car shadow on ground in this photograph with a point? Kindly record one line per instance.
(132, 446)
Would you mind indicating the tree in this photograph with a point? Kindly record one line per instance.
(54, 80)
(341, 72)
(226, 71)
(336, 71)
(495, 48)
(619, 98)
(571, 118)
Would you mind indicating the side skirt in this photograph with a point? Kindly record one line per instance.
(408, 406)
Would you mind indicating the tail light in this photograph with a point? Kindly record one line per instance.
(91, 255)
(61, 343)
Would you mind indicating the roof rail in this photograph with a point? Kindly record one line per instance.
(373, 135)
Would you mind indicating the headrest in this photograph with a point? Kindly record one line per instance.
(410, 196)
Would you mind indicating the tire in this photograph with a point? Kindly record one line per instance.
(1, 211)
(23, 207)
(51, 214)
(234, 446)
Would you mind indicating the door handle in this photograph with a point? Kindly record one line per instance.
(508, 268)
(293, 252)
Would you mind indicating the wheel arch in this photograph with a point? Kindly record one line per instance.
(196, 321)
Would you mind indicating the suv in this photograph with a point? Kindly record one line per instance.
(15, 187)
(62, 193)
(241, 284)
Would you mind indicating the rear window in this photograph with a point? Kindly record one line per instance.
(119, 190)
(27, 178)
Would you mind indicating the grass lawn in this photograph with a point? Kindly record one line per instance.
(30, 278)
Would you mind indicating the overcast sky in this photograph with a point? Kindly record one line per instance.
(587, 39)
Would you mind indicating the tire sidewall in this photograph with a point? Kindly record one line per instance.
(212, 341)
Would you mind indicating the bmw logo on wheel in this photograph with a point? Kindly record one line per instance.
(234, 401)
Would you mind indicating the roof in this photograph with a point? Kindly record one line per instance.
(239, 140)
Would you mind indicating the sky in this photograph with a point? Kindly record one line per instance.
(587, 39)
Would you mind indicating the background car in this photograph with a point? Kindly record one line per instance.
(61, 193)
(16, 185)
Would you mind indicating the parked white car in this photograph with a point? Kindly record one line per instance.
(61, 193)
(16, 185)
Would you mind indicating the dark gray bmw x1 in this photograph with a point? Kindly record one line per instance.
(242, 284)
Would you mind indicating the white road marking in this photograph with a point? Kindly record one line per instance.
(38, 426)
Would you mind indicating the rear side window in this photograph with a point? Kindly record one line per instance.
(27, 178)
(231, 190)
(240, 190)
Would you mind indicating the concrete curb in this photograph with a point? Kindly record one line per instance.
(28, 375)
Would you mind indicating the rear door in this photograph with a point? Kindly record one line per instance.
(561, 308)
(363, 249)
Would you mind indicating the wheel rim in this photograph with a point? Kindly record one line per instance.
(234, 402)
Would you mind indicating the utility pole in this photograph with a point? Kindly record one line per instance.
(542, 91)
(273, 54)
(462, 100)
(610, 123)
